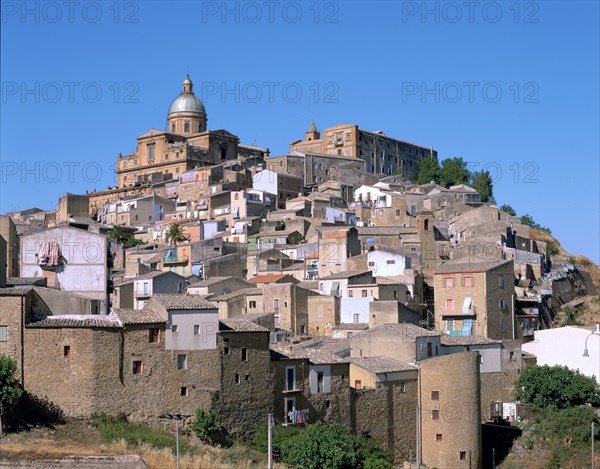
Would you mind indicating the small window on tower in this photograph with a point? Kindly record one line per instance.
(186, 127)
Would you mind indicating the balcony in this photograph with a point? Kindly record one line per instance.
(462, 329)
(175, 259)
(369, 204)
(459, 313)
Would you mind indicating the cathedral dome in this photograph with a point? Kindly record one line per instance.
(187, 101)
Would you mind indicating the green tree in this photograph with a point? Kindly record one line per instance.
(551, 249)
(454, 171)
(175, 234)
(118, 234)
(482, 182)
(558, 386)
(528, 220)
(9, 390)
(321, 446)
(206, 425)
(429, 170)
(508, 209)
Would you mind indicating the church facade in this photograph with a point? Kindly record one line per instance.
(162, 155)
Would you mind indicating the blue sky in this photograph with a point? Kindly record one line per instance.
(511, 87)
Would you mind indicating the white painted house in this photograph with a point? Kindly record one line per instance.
(565, 346)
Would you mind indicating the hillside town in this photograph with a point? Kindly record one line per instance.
(322, 285)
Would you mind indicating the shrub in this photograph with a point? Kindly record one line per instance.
(115, 428)
(321, 446)
(559, 386)
(260, 439)
(206, 425)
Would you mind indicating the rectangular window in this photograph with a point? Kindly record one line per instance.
(429, 349)
(371, 264)
(467, 281)
(150, 152)
(363, 293)
(435, 415)
(253, 304)
(350, 293)
(391, 261)
(448, 282)
(397, 213)
(435, 395)
(183, 391)
(501, 281)
(244, 355)
(290, 378)
(402, 387)
(174, 328)
(67, 351)
(320, 381)
(237, 379)
(355, 317)
(3, 333)
(196, 329)
(182, 362)
(449, 304)
(357, 384)
(463, 455)
(137, 367)
(153, 335)
(438, 437)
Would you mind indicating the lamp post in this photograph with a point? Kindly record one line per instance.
(177, 418)
(587, 354)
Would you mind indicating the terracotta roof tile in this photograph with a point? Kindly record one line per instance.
(175, 301)
(72, 321)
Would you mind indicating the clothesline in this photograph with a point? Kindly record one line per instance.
(49, 254)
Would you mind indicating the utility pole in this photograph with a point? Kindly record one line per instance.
(418, 437)
(270, 439)
(593, 451)
(177, 418)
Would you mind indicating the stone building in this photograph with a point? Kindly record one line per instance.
(163, 155)
(475, 298)
(318, 169)
(289, 303)
(309, 385)
(336, 246)
(284, 186)
(383, 406)
(383, 154)
(449, 404)
(135, 292)
(172, 356)
(403, 342)
(8, 231)
(72, 205)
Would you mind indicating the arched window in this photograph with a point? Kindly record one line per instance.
(426, 225)
(186, 127)
(173, 127)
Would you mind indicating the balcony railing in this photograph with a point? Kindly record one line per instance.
(369, 204)
(175, 259)
(466, 312)
(459, 332)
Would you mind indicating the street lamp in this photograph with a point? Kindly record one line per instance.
(587, 354)
(177, 418)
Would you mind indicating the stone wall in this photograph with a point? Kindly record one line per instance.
(451, 411)
(388, 414)
(11, 318)
(245, 397)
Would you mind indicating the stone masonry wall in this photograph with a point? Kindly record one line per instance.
(388, 414)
